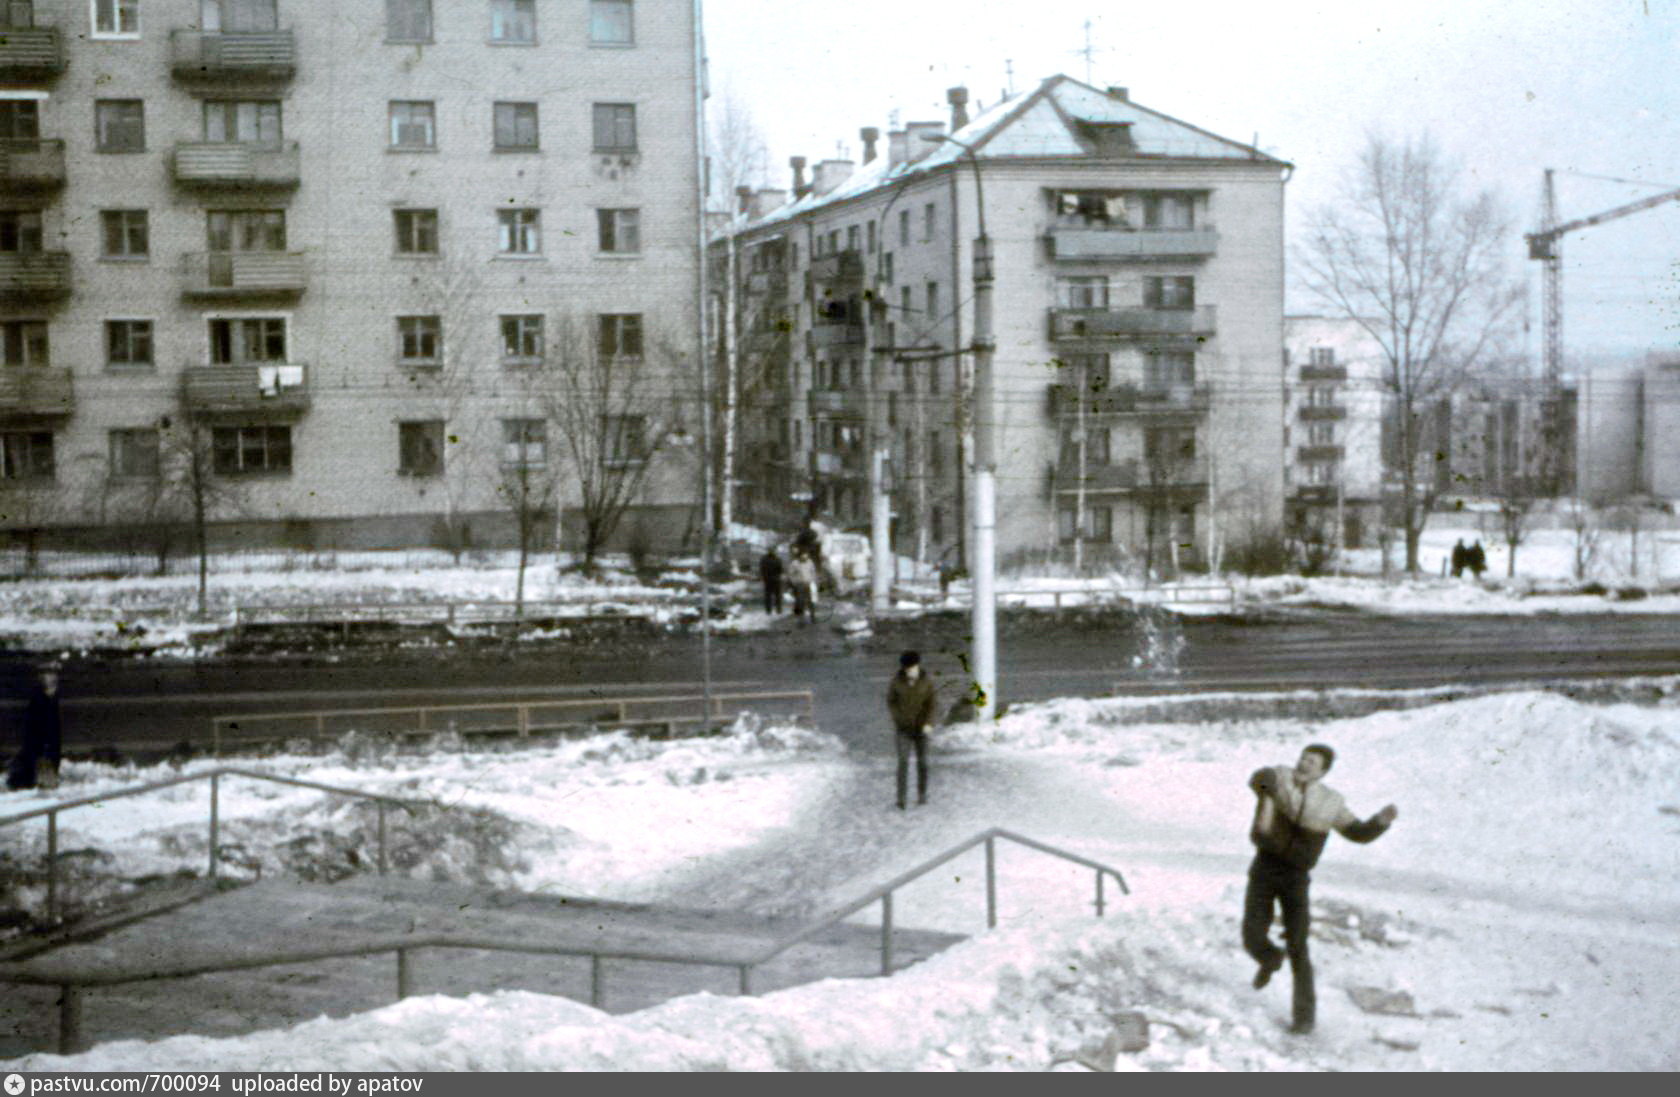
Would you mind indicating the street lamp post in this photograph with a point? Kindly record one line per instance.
(983, 565)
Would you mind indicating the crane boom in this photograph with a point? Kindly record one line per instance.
(1540, 243)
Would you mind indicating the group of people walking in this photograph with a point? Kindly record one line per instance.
(799, 577)
(1471, 558)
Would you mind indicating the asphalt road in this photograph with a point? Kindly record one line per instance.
(147, 705)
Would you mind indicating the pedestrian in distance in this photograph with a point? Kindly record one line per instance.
(1460, 556)
(911, 697)
(1476, 559)
(36, 762)
(770, 573)
(1293, 817)
(802, 573)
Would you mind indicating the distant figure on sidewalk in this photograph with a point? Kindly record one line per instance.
(36, 762)
(1475, 558)
(1460, 557)
(770, 571)
(910, 698)
(1292, 819)
(802, 573)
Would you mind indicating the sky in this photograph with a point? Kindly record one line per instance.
(1586, 87)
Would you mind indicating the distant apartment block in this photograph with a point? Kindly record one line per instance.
(1333, 426)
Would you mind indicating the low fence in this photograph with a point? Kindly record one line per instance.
(456, 613)
(1166, 594)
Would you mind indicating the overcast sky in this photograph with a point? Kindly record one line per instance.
(1509, 87)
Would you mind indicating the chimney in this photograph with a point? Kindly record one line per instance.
(765, 202)
(1120, 93)
(870, 135)
(743, 199)
(800, 190)
(898, 146)
(916, 134)
(830, 174)
(958, 98)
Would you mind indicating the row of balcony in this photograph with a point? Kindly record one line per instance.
(37, 53)
(1179, 479)
(1093, 243)
(1129, 399)
(39, 165)
(280, 389)
(44, 277)
(1095, 325)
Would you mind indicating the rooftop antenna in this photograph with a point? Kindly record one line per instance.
(1008, 78)
(1088, 52)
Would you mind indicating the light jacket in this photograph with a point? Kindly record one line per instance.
(1292, 823)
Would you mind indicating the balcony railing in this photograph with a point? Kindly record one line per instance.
(281, 389)
(1319, 413)
(31, 165)
(243, 273)
(829, 336)
(1128, 399)
(834, 463)
(1179, 480)
(34, 276)
(771, 282)
(841, 266)
(1130, 323)
(1323, 373)
(32, 392)
(232, 55)
(830, 402)
(30, 53)
(230, 164)
(1318, 453)
(1083, 242)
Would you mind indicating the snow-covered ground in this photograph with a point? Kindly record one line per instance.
(1522, 914)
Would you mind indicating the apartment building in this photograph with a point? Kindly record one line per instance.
(326, 267)
(1334, 406)
(1138, 317)
(1628, 437)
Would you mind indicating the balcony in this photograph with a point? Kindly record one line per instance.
(223, 274)
(773, 283)
(828, 337)
(1179, 481)
(1064, 477)
(1082, 242)
(836, 403)
(1323, 373)
(1322, 413)
(1130, 323)
(232, 56)
(1128, 399)
(31, 166)
(835, 463)
(34, 276)
(840, 267)
(233, 165)
(30, 53)
(276, 389)
(32, 392)
(1314, 454)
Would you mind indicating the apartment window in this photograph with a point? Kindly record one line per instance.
(248, 339)
(417, 231)
(245, 230)
(612, 23)
(887, 266)
(927, 221)
(119, 125)
(935, 453)
(852, 237)
(245, 121)
(128, 343)
(615, 127)
(1169, 211)
(626, 437)
(413, 124)
(1169, 445)
(524, 443)
(519, 231)
(903, 227)
(513, 21)
(1322, 356)
(26, 455)
(1099, 524)
(250, 450)
(23, 343)
(1090, 208)
(522, 339)
(419, 340)
(116, 18)
(833, 241)
(20, 120)
(869, 237)
(515, 126)
(1088, 371)
(1321, 473)
(1321, 396)
(1321, 434)
(1169, 368)
(1083, 292)
(408, 20)
(238, 16)
(125, 233)
(1096, 443)
(134, 453)
(20, 231)
(933, 302)
(420, 448)
(619, 230)
(619, 335)
(1169, 292)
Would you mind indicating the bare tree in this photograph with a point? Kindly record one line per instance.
(1419, 264)
(190, 491)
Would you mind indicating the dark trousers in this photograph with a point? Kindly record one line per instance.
(1274, 880)
(906, 741)
(772, 596)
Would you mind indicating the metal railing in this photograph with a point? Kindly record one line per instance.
(1166, 593)
(72, 984)
(449, 613)
(522, 718)
(214, 776)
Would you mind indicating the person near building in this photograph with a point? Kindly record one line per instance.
(802, 575)
(1293, 817)
(770, 572)
(36, 762)
(911, 697)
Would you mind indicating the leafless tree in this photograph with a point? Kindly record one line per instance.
(189, 490)
(1419, 263)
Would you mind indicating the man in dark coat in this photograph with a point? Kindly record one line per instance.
(1293, 817)
(770, 571)
(1475, 558)
(1460, 557)
(36, 762)
(911, 698)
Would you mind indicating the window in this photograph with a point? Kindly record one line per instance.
(238, 16)
(128, 343)
(1083, 292)
(413, 124)
(612, 23)
(1169, 368)
(935, 453)
(626, 438)
(420, 448)
(26, 455)
(852, 237)
(615, 127)
(1321, 356)
(887, 266)
(903, 227)
(408, 20)
(245, 121)
(245, 230)
(1096, 447)
(1169, 211)
(419, 340)
(522, 340)
(513, 21)
(833, 241)
(116, 18)
(247, 450)
(417, 231)
(251, 339)
(524, 443)
(1087, 371)
(134, 453)
(619, 335)
(933, 302)
(1321, 396)
(20, 231)
(1321, 473)
(1169, 292)
(23, 343)
(519, 231)
(1321, 434)
(516, 125)
(1099, 524)
(1168, 446)
(119, 125)
(1090, 208)
(20, 120)
(125, 233)
(927, 221)
(869, 238)
(620, 230)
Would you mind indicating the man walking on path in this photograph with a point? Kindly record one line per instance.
(36, 762)
(770, 571)
(910, 699)
(1292, 819)
(802, 573)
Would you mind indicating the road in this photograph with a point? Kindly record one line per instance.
(147, 705)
